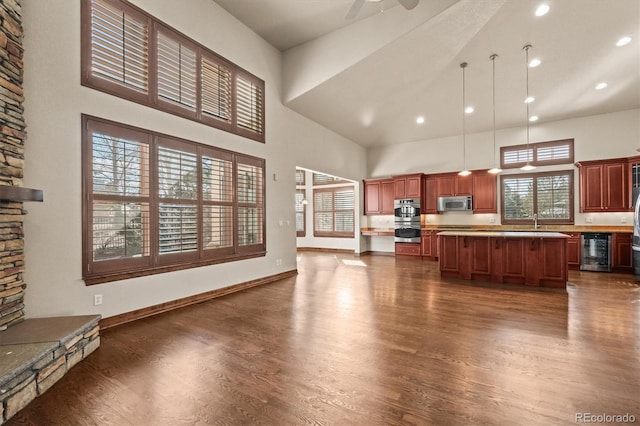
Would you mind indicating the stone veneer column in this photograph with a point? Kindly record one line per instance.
(12, 138)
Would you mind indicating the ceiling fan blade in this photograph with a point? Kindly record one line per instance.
(355, 8)
(408, 4)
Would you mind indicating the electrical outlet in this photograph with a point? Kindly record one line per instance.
(278, 262)
(588, 219)
(97, 299)
(623, 219)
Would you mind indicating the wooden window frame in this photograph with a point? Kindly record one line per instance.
(534, 148)
(541, 221)
(334, 233)
(334, 181)
(301, 189)
(95, 272)
(150, 98)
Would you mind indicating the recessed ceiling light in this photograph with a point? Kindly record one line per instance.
(534, 63)
(601, 86)
(542, 10)
(469, 109)
(623, 41)
(533, 118)
(420, 120)
(529, 100)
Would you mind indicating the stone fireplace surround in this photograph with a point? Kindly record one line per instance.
(34, 353)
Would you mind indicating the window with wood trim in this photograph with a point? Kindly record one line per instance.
(322, 179)
(130, 54)
(547, 195)
(154, 203)
(537, 154)
(301, 204)
(333, 214)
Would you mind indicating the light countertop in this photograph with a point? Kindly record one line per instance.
(504, 234)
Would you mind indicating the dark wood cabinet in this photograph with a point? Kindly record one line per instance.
(454, 184)
(378, 196)
(531, 261)
(484, 192)
(574, 255)
(430, 244)
(408, 186)
(408, 249)
(604, 185)
(430, 195)
(621, 254)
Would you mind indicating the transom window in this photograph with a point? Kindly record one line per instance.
(549, 196)
(130, 54)
(154, 203)
(537, 154)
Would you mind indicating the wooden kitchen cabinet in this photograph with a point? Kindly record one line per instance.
(430, 195)
(408, 186)
(574, 254)
(484, 191)
(378, 196)
(408, 249)
(621, 254)
(430, 244)
(454, 184)
(604, 186)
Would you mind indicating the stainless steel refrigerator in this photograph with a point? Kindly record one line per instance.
(636, 232)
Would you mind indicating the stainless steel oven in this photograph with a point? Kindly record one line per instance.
(406, 214)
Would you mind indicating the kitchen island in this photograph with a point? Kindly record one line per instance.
(527, 258)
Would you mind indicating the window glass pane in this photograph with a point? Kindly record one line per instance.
(119, 46)
(344, 221)
(217, 179)
(119, 166)
(120, 230)
(323, 222)
(177, 228)
(553, 197)
(216, 90)
(176, 72)
(517, 156)
(518, 198)
(217, 226)
(552, 153)
(177, 174)
(249, 226)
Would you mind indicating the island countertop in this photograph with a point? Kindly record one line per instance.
(504, 234)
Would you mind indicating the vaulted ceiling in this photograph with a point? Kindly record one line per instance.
(369, 78)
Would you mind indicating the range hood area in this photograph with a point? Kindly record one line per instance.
(20, 194)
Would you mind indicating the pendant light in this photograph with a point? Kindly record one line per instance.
(464, 172)
(527, 167)
(495, 170)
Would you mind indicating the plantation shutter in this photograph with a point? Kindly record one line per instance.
(178, 192)
(323, 212)
(177, 71)
(537, 154)
(344, 221)
(216, 89)
(516, 157)
(249, 104)
(217, 199)
(119, 45)
(250, 198)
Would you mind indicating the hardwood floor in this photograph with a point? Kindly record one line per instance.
(361, 341)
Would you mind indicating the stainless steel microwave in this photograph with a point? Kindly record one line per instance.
(455, 203)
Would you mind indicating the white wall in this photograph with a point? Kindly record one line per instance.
(604, 136)
(54, 102)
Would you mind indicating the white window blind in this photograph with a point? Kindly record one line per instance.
(177, 74)
(119, 46)
(537, 154)
(334, 212)
(517, 156)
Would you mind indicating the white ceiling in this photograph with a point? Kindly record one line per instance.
(369, 78)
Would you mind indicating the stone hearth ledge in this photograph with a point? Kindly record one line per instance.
(37, 352)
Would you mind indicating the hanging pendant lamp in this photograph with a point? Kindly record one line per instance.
(527, 167)
(465, 171)
(495, 170)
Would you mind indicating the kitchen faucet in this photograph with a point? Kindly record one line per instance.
(535, 221)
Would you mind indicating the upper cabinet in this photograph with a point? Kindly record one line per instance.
(484, 192)
(605, 185)
(378, 196)
(480, 184)
(408, 186)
